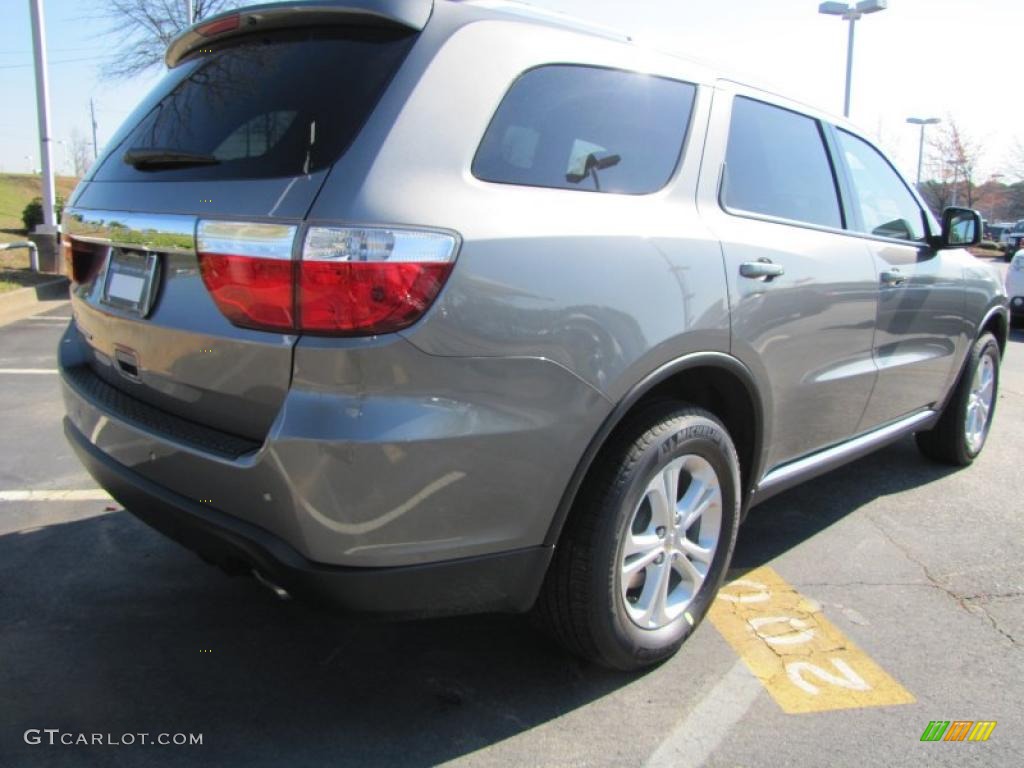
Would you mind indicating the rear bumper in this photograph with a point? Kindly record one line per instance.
(380, 456)
(508, 581)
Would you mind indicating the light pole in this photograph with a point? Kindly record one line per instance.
(851, 12)
(922, 121)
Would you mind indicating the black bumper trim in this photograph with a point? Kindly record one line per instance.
(503, 582)
(124, 407)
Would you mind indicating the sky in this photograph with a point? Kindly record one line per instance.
(954, 59)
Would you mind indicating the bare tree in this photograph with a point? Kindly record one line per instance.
(955, 157)
(1015, 166)
(141, 30)
(81, 153)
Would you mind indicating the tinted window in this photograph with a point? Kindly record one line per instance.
(587, 128)
(777, 165)
(887, 208)
(279, 105)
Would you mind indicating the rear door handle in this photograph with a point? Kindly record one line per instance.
(762, 268)
(892, 277)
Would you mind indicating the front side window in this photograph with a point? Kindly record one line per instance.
(777, 165)
(887, 208)
(585, 128)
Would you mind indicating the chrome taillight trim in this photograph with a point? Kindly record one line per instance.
(255, 239)
(393, 245)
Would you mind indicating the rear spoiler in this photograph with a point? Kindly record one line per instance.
(410, 14)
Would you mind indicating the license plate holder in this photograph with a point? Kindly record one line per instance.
(130, 281)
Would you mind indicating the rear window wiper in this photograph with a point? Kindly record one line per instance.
(165, 158)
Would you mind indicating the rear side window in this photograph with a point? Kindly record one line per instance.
(281, 104)
(887, 208)
(584, 128)
(777, 165)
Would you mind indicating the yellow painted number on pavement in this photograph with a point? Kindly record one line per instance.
(800, 657)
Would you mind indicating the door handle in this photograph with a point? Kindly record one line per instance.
(762, 268)
(892, 277)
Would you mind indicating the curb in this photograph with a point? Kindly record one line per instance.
(25, 302)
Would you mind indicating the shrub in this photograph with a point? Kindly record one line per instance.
(33, 213)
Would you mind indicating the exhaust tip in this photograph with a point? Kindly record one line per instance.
(277, 589)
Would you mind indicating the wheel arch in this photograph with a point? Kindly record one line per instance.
(997, 322)
(715, 381)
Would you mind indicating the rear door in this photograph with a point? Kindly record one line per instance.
(803, 291)
(921, 295)
(243, 130)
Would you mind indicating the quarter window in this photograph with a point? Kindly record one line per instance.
(777, 165)
(585, 128)
(887, 208)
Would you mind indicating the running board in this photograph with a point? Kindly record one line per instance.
(788, 475)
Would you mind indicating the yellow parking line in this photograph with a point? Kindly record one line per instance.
(800, 657)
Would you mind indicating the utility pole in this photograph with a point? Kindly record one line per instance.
(188, 12)
(43, 108)
(45, 234)
(92, 116)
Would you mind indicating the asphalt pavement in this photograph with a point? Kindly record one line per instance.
(107, 628)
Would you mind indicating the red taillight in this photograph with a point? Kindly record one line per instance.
(218, 26)
(68, 254)
(366, 297)
(81, 260)
(252, 292)
(348, 281)
(368, 280)
(248, 269)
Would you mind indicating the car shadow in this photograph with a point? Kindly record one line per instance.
(783, 522)
(109, 628)
(787, 520)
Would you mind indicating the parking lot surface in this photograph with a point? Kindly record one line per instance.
(910, 573)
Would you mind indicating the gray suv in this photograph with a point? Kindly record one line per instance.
(438, 307)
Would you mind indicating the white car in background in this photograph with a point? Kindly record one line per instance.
(1015, 287)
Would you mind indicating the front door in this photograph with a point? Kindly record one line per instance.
(921, 300)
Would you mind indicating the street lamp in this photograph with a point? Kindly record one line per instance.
(851, 12)
(922, 121)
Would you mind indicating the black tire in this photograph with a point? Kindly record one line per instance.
(581, 605)
(947, 441)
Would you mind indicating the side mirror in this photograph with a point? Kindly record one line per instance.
(593, 162)
(961, 228)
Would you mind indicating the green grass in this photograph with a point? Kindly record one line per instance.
(16, 191)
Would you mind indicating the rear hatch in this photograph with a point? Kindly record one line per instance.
(244, 128)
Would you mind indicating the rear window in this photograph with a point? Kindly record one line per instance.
(584, 128)
(278, 105)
